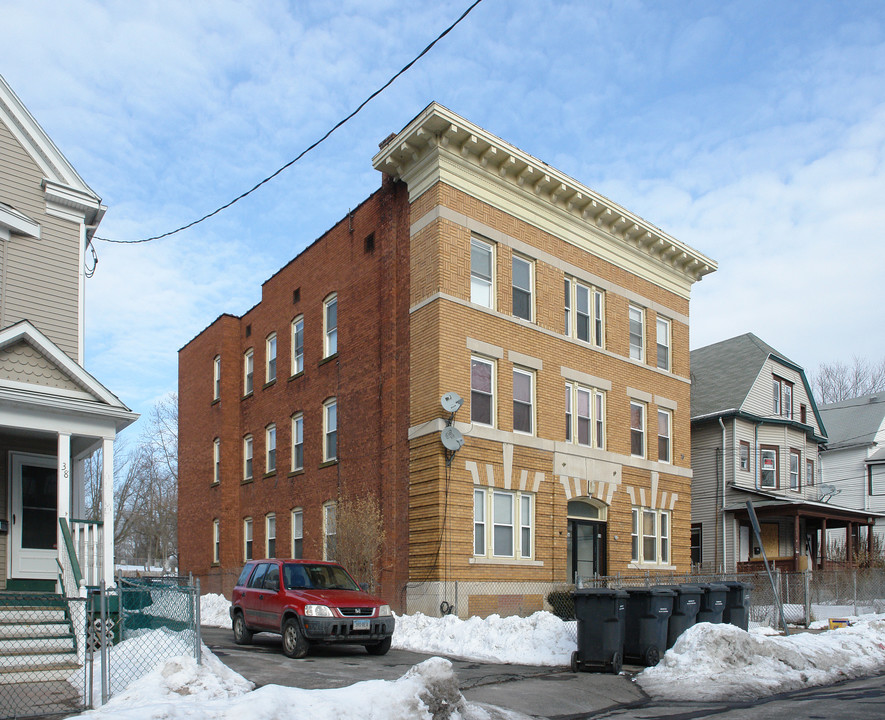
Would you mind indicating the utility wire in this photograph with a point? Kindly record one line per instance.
(310, 147)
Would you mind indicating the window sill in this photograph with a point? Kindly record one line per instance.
(328, 463)
(328, 358)
(650, 566)
(295, 376)
(246, 481)
(215, 401)
(269, 474)
(299, 471)
(247, 395)
(215, 484)
(505, 561)
(269, 383)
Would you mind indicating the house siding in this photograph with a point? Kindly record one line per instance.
(706, 443)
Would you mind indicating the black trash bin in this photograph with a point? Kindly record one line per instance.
(737, 604)
(712, 603)
(648, 615)
(686, 605)
(600, 613)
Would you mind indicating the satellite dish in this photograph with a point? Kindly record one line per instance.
(827, 492)
(452, 438)
(451, 402)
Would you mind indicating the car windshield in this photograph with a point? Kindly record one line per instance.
(317, 577)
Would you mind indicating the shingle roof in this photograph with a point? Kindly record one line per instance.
(853, 422)
(723, 373)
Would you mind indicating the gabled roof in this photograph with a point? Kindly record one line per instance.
(854, 422)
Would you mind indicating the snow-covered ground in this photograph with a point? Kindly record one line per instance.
(709, 662)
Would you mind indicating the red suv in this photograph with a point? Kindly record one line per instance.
(307, 602)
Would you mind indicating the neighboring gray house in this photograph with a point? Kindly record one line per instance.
(53, 413)
(756, 434)
(854, 460)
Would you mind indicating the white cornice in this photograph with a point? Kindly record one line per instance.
(439, 145)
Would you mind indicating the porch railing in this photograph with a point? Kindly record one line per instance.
(87, 537)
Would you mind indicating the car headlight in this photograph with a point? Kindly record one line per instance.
(384, 610)
(317, 611)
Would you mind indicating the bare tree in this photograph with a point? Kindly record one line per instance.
(359, 538)
(837, 381)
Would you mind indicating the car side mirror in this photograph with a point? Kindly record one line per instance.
(364, 587)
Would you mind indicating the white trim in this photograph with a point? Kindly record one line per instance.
(13, 221)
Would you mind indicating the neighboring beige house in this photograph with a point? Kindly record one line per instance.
(756, 434)
(53, 413)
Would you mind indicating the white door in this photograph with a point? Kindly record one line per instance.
(34, 517)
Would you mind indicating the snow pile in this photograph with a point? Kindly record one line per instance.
(723, 662)
(214, 611)
(541, 639)
(182, 689)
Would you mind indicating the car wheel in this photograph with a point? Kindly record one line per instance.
(294, 643)
(379, 648)
(242, 634)
(575, 662)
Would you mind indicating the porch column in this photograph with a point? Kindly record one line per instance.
(870, 540)
(823, 543)
(63, 491)
(849, 550)
(107, 510)
(796, 543)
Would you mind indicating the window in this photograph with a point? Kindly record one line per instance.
(788, 400)
(330, 530)
(522, 288)
(248, 369)
(650, 536)
(247, 457)
(330, 430)
(297, 533)
(768, 470)
(270, 534)
(270, 452)
(745, 456)
(216, 461)
(584, 416)
(803, 413)
(297, 345)
(482, 399)
(511, 535)
(795, 479)
(523, 401)
(776, 392)
(809, 473)
(663, 343)
(247, 539)
(697, 545)
(216, 541)
(216, 378)
(876, 478)
(330, 320)
(271, 354)
(637, 333)
(481, 286)
(586, 323)
(664, 450)
(637, 429)
(297, 442)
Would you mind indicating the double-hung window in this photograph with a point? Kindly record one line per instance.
(795, 479)
(584, 312)
(523, 272)
(584, 416)
(297, 533)
(248, 370)
(482, 391)
(330, 325)
(297, 442)
(523, 401)
(270, 535)
(216, 378)
(776, 396)
(568, 412)
(503, 523)
(663, 343)
(270, 448)
(216, 541)
(481, 273)
(637, 429)
(330, 530)
(247, 457)
(297, 345)
(809, 473)
(745, 456)
(479, 522)
(637, 333)
(270, 369)
(216, 461)
(768, 470)
(330, 430)
(788, 400)
(650, 536)
(247, 538)
(664, 438)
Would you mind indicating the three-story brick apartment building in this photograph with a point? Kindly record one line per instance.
(560, 318)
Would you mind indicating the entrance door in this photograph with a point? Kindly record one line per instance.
(586, 549)
(34, 517)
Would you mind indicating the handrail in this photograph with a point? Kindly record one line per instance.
(88, 522)
(69, 544)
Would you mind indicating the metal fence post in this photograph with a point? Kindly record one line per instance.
(807, 574)
(854, 581)
(103, 602)
(198, 639)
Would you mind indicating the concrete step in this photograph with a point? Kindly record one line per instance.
(31, 645)
(9, 631)
(13, 675)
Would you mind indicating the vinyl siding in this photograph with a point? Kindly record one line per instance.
(760, 402)
(705, 488)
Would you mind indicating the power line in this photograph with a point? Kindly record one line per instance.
(310, 147)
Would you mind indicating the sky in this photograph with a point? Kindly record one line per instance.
(754, 131)
(708, 663)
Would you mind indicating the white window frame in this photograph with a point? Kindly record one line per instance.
(788, 400)
(519, 531)
(330, 530)
(297, 533)
(658, 537)
(599, 418)
(594, 419)
(809, 472)
(663, 330)
(777, 388)
(270, 358)
(298, 345)
(490, 394)
(569, 412)
(248, 371)
(216, 377)
(330, 429)
(668, 436)
(297, 441)
(520, 261)
(248, 458)
(216, 541)
(270, 448)
(584, 312)
(636, 317)
(330, 331)
(795, 473)
(216, 461)
(641, 430)
(480, 545)
(270, 535)
(481, 285)
(247, 539)
(762, 470)
(522, 402)
(598, 317)
(526, 511)
(508, 526)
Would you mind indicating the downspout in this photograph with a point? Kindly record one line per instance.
(756, 453)
(724, 564)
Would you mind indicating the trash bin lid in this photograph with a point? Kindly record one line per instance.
(598, 592)
(654, 590)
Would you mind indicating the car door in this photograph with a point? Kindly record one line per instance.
(270, 599)
(253, 597)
